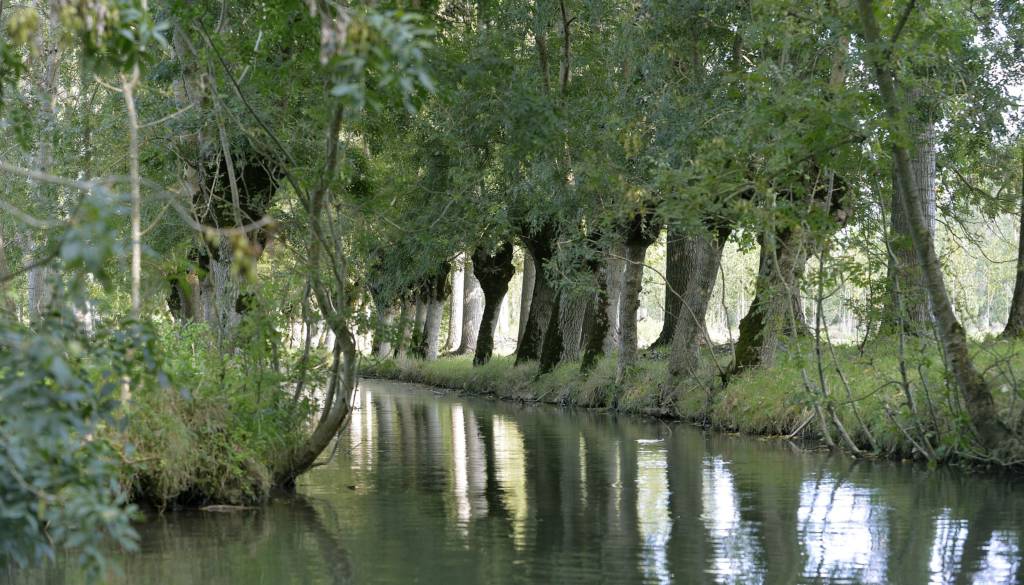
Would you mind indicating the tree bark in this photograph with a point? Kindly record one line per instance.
(676, 248)
(640, 234)
(700, 266)
(437, 292)
(596, 319)
(494, 272)
(383, 336)
(540, 245)
(418, 347)
(432, 328)
(526, 295)
(614, 271)
(551, 349)
(128, 84)
(972, 385)
(472, 312)
(406, 328)
(906, 278)
(572, 312)
(773, 312)
(1015, 322)
(458, 299)
(40, 290)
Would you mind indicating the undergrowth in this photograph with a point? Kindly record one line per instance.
(884, 411)
(213, 426)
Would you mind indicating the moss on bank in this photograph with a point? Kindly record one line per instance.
(920, 418)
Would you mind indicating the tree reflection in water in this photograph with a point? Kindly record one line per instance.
(447, 490)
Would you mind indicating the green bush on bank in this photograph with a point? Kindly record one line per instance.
(215, 429)
(773, 401)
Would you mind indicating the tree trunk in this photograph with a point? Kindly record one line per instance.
(615, 268)
(676, 247)
(387, 321)
(972, 385)
(639, 236)
(596, 319)
(406, 328)
(773, 312)
(700, 266)
(540, 245)
(472, 312)
(494, 272)
(435, 291)
(6, 303)
(458, 299)
(40, 290)
(1015, 323)
(906, 278)
(417, 347)
(432, 328)
(218, 292)
(526, 295)
(551, 350)
(571, 315)
(335, 414)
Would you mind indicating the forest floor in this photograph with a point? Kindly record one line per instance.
(885, 409)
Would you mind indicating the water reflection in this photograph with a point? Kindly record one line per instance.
(447, 490)
(842, 538)
(736, 557)
(652, 508)
(510, 460)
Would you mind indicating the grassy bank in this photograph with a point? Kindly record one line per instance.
(212, 427)
(885, 409)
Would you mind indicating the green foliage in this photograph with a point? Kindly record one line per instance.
(217, 430)
(58, 472)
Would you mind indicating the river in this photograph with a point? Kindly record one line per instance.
(428, 487)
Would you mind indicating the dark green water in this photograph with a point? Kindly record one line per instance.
(446, 490)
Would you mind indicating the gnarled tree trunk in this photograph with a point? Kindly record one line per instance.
(614, 272)
(551, 350)
(494, 272)
(437, 291)
(418, 347)
(596, 319)
(773, 312)
(406, 328)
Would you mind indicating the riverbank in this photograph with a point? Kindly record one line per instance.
(883, 409)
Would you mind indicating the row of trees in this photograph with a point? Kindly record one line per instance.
(239, 167)
(581, 132)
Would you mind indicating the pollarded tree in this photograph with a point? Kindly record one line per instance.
(494, 270)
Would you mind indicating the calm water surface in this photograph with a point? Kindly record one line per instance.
(428, 488)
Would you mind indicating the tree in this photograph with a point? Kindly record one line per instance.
(494, 272)
(971, 384)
